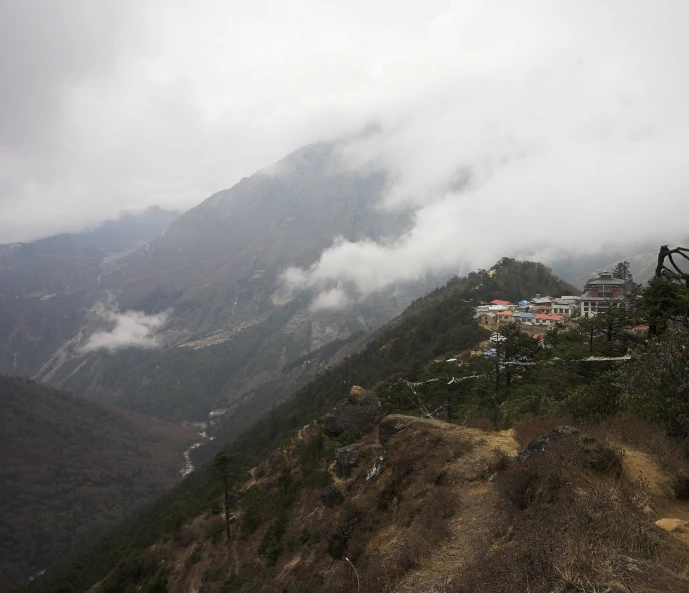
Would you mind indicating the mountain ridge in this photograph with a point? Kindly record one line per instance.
(441, 325)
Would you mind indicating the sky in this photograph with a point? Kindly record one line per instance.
(510, 128)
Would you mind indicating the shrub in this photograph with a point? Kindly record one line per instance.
(215, 529)
(552, 494)
(211, 574)
(482, 423)
(270, 547)
(231, 583)
(194, 557)
(680, 486)
(349, 436)
(185, 537)
(304, 537)
(543, 476)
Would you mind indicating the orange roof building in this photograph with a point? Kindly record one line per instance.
(499, 302)
(545, 319)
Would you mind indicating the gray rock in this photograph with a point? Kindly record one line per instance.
(541, 443)
(346, 459)
(377, 469)
(389, 427)
(357, 412)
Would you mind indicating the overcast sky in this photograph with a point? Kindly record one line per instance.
(520, 127)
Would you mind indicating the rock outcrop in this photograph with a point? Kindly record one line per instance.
(390, 426)
(672, 525)
(346, 459)
(360, 411)
(543, 442)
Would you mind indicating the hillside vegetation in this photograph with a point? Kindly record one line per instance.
(416, 504)
(438, 324)
(71, 469)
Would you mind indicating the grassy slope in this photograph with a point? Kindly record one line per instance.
(446, 514)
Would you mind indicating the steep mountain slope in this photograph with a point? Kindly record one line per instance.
(222, 259)
(49, 285)
(424, 505)
(439, 324)
(72, 468)
(217, 269)
(44, 295)
(129, 230)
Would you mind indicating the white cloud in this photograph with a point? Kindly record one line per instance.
(510, 128)
(333, 299)
(128, 329)
(529, 129)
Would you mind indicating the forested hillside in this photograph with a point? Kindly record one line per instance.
(71, 469)
(439, 324)
(379, 514)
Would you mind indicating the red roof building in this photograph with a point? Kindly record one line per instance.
(499, 302)
(545, 319)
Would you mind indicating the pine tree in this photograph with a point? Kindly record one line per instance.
(221, 465)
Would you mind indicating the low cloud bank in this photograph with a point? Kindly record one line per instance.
(534, 130)
(128, 329)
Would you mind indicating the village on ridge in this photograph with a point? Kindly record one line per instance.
(545, 312)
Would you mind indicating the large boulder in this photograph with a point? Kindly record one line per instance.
(360, 411)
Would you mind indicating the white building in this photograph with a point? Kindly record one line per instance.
(565, 308)
(599, 293)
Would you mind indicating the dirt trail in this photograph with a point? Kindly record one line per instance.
(479, 503)
(662, 501)
(477, 512)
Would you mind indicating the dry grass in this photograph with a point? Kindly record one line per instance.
(573, 521)
(528, 429)
(400, 521)
(568, 519)
(671, 453)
